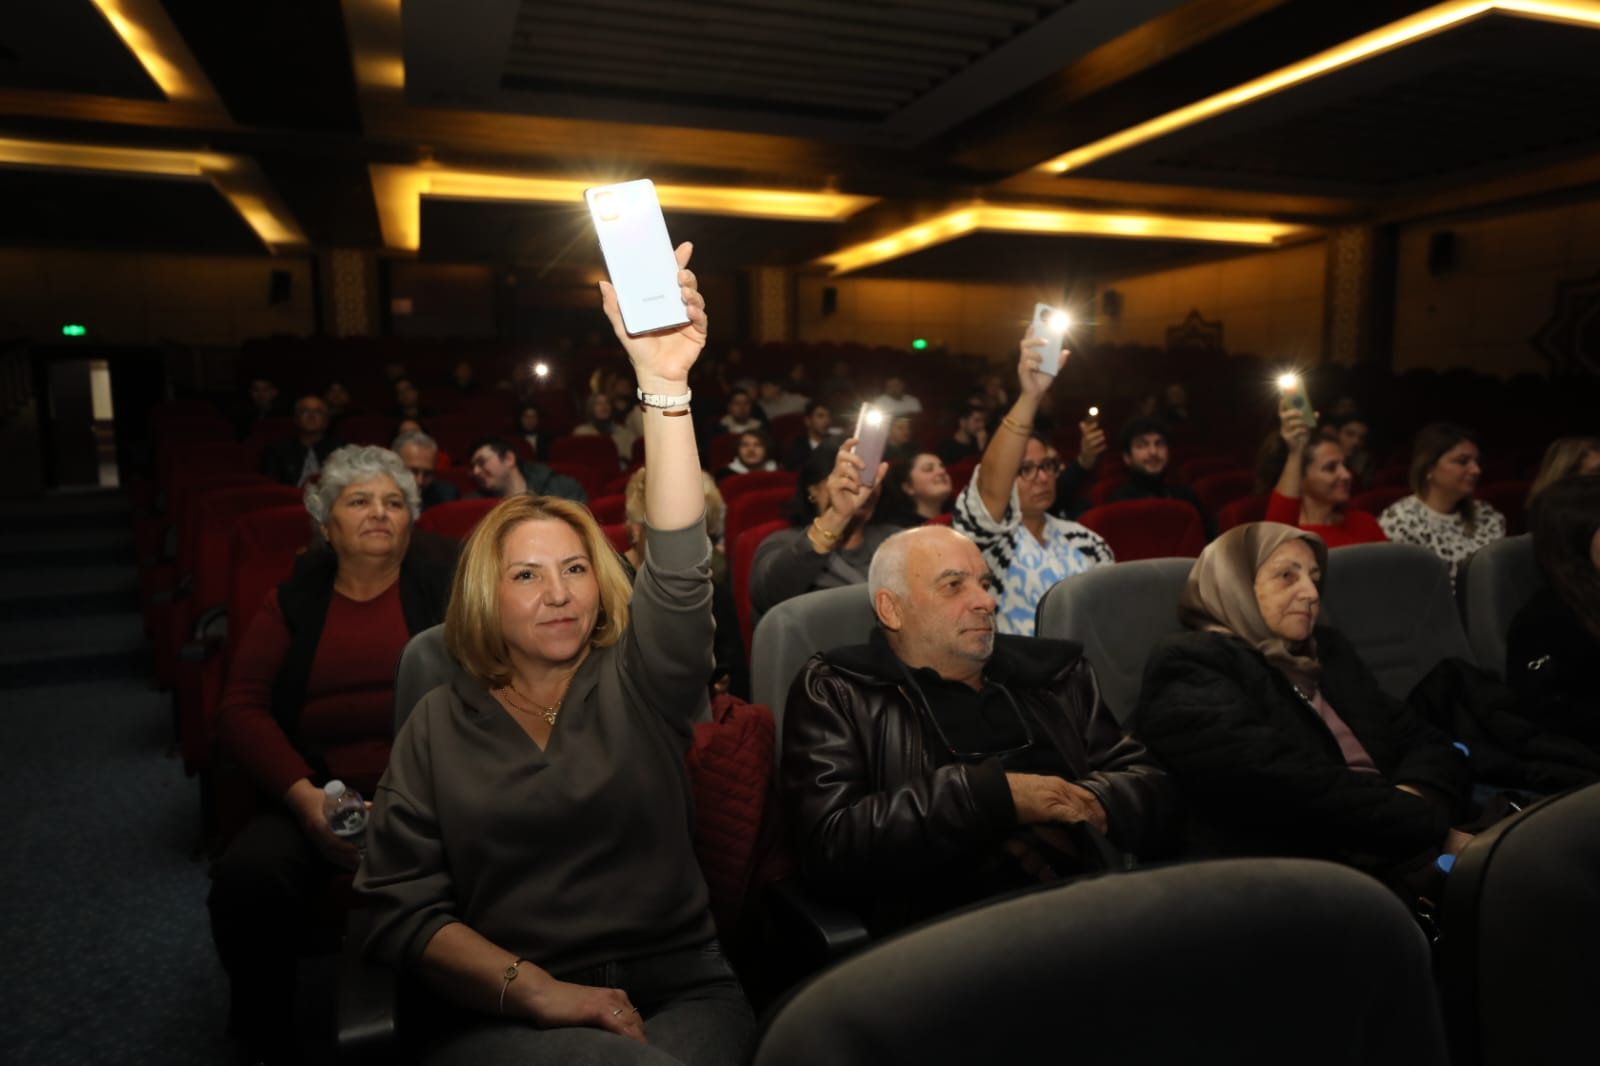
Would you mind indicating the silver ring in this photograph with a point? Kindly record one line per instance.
(619, 1011)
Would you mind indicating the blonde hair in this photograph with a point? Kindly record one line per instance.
(633, 497)
(472, 630)
(1561, 460)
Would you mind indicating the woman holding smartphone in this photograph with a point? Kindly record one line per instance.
(529, 856)
(1313, 487)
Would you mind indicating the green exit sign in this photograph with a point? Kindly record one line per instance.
(73, 331)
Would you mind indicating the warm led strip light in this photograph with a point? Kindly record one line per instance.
(399, 191)
(238, 180)
(149, 34)
(1045, 220)
(1412, 28)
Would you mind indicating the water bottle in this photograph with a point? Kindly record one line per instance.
(346, 813)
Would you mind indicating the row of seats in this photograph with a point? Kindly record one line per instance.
(1118, 612)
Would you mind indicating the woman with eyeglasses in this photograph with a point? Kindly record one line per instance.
(1005, 507)
(832, 532)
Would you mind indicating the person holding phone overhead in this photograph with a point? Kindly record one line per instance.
(1313, 486)
(1005, 507)
(832, 532)
(530, 854)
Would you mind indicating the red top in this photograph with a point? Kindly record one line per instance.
(349, 711)
(1358, 527)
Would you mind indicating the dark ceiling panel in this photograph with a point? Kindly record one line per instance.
(330, 198)
(67, 46)
(557, 237)
(95, 211)
(863, 59)
(281, 65)
(1484, 99)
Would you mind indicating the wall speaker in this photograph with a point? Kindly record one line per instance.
(830, 299)
(1441, 253)
(1111, 303)
(280, 287)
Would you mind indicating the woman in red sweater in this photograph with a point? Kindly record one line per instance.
(310, 698)
(1314, 493)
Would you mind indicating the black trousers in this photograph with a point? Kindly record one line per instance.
(264, 895)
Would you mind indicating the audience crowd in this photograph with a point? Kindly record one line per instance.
(533, 861)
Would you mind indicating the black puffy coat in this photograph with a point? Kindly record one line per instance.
(1261, 774)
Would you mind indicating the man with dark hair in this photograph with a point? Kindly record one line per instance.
(1144, 450)
(295, 459)
(741, 413)
(497, 472)
(263, 404)
(970, 436)
(408, 401)
(819, 431)
(939, 764)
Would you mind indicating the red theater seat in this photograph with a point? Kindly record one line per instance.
(1237, 513)
(1148, 529)
(588, 450)
(751, 510)
(1510, 498)
(609, 510)
(458, 518)
(1216, 491)
(1373, 501)
(740, 484)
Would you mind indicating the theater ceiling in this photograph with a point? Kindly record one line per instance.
(984, 139)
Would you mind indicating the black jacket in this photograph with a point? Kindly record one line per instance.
(283, 460)
(1550, 664)
(873, 817)
(1259, 772)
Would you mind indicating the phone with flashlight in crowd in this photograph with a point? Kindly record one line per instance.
(1292, 392)
(1093, 417)
(1052, 324)
(638, 253)
(872, 433)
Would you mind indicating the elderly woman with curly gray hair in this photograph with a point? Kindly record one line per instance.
(310, 698)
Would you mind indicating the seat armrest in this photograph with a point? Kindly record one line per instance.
(367, 997)
(831, 931)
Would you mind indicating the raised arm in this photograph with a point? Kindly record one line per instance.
(1003, 456)
(667, 650)
(1296, 434)
(661, 363)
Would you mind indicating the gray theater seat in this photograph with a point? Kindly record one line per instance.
(797, 629)
(1393, 602)
(1117, 613)
(1521, 920)
(1491, 587)
(424, 666)
(1244, 962)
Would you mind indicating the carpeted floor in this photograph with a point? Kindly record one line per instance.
(105, 957)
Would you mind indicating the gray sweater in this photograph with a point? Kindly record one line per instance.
(572, 856)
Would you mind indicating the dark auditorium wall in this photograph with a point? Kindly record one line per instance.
(1480, 305)
(1270, 304)
(147, 298)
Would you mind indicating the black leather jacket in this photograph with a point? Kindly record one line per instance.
(874, 818)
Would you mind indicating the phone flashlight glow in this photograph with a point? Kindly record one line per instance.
(1287, 381)
(541, 370)
(1094, 412)
(1060, 321)
(604, 205)
(872, 416)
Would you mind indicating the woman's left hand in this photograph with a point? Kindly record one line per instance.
(661, 361)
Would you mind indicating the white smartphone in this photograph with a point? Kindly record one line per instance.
(872, 433)
(638, 252)
(1293, 392)
(1052, 324)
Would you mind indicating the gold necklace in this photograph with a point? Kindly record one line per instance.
(514, 698)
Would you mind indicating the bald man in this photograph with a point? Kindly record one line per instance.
(941, 763)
